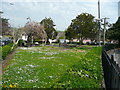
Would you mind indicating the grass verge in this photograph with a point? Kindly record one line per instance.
(54, 67)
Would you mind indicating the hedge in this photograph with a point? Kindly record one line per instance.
(6, 50)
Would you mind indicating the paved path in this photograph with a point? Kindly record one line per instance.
(116, 54)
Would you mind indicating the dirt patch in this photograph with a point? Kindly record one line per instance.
(78, 51)
(28, 48)
(61, 49)
(82, 46)
(72, 50)
(65, 49)
(54, 48)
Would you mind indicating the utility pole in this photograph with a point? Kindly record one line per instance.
(12, 4)
(0, 33)
(0, 23)
(99, 22)
(104, 30)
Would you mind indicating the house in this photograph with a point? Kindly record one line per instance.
(24, 36)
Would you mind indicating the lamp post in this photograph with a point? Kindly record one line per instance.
(104, 30)
(0, 23)
(99, 22)
(1, 49)
(11, 4)
(99, 25)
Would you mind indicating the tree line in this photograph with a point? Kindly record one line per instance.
(84, 26)
(114, 32)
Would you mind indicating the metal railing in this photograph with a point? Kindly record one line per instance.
(111, 69)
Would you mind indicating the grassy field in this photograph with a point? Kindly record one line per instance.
(54, 67)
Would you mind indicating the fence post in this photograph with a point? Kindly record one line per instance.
(111, 72)
(112, 59)
(117, 77)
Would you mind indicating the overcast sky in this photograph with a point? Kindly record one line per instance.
(61, 11)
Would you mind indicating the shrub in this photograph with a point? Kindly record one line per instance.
(61, 37)
(6, 50)
(21, 43)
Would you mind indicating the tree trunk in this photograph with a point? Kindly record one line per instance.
(80, 40)
(32, 40)
(119, 42)
(45, 42)
(28, 41)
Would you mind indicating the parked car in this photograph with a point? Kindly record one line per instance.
(5, 41)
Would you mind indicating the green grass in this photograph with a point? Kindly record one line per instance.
(87, 73)
(45, 67)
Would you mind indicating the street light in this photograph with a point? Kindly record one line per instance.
(99, 22)
(13, 26)
(104, 30)
(105, 23)
(0, 23)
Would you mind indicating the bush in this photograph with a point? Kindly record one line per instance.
(6, 50)
(21, 43)
(61, 37)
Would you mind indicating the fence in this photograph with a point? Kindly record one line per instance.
(111, 69)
